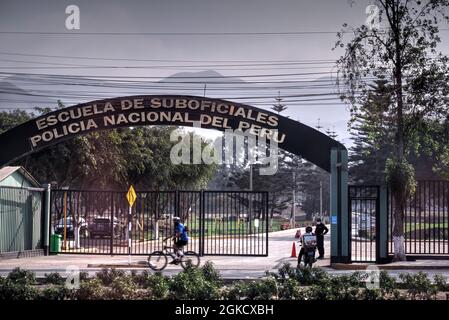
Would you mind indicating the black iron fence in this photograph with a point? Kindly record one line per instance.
(218, 222)
(363, 206)
(426, 220)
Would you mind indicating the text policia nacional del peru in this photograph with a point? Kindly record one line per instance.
(152, 111)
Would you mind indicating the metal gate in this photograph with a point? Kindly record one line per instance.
(363, 206)
(426, 221)
(218, 222)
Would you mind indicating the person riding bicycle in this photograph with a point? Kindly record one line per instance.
(180, 237)
(308, 241)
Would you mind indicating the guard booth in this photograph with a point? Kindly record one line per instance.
(21, 214)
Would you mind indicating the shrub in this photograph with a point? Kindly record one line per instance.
(371, 294)
(441, 282)
(307, 276)
(264, 289)
(17, 289)
(290, 290)
(418, 285)
(237, 291)
(20, 276)
(91, 289)
(122, 288)
(159, 286)
(192, 284)
(210, 273)
(84, 276)
(107, 276)
(58, 292)
(54, 278)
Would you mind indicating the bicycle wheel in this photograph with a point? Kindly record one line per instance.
(157, 260)
(190, 258)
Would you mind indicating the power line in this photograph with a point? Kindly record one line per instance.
(301, 61)
(275, 33)
(183, 77)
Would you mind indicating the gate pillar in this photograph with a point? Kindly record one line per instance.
(340, 231)
(382, 228)
(47, 210)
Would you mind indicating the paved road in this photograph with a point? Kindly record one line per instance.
(237, 267)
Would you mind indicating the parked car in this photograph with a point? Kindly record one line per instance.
(101, 227)
(82, 224)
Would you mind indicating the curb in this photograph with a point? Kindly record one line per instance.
(142, 264)
(341, 266)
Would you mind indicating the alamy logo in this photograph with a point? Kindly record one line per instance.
(72, 22)
(236, 147)
(373, 18)
(72, 277)
(372, 280)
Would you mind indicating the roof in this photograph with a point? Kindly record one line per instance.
(9, 170)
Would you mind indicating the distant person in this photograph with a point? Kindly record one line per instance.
(181, 239)
(320, 231)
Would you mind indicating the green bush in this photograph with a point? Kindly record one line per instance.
(20, 276)
(17, 289)
(53, 278)
(91, 289)
(210, 273)
(159, 286)
(122, 288)
(371, 294)
(418, 286)
(192, 284)
(265, 289)
(58, 292)
(107, 276)
(84, 275)
(441, 282)
(291, 290)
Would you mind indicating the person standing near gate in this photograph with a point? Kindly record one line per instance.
(320, 231)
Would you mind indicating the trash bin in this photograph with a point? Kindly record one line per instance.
(55, 243)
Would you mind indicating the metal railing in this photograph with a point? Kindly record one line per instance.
(218, 222)
(426, 220)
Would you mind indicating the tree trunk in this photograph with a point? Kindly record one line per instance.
(398, 231)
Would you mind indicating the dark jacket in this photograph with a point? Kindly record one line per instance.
(321, 229)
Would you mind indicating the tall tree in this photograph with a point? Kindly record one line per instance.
(404, 51)
(372, 134)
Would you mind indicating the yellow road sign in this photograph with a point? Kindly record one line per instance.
(131, 196)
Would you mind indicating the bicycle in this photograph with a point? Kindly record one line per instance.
(158, 260)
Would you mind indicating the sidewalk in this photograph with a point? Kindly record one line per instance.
(399, 265)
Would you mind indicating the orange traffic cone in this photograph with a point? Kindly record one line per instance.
(293, 251)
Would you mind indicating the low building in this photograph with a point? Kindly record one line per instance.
(21, 213)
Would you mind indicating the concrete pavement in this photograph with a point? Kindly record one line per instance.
(230, 267)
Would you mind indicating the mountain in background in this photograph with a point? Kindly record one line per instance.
(44, 91)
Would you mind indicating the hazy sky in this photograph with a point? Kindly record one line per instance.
(183, 16)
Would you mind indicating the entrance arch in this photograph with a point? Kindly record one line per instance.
(293, 136)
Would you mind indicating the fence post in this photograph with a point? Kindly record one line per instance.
(47, 219)
(266, 222)
(201, 226)
(382, 228)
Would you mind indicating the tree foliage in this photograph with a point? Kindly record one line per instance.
(111, 159)
(404, 51)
